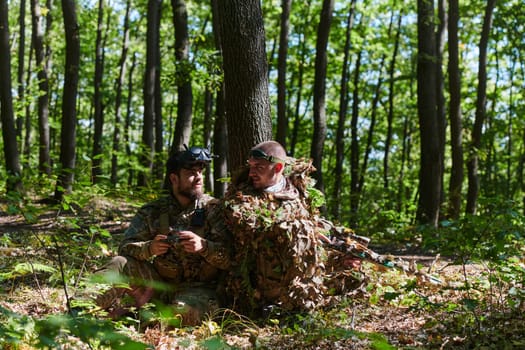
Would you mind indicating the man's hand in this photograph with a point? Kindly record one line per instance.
(192, 242)
(158, 246)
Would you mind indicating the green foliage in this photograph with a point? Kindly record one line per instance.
(494, 235)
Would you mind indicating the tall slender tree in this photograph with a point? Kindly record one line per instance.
(11, 155)
(150, 91)
(321, 62)
(456, 128)
(282, 118)
(430, 151)
(119, 85)
(44, 158)
(341, 121)
(96, 161)
(20, 72)
(481, 99)
(69, 98)
(183, 124)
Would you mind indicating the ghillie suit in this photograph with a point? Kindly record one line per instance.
(277, 260)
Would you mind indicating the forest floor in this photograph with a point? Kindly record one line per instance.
(468, 310)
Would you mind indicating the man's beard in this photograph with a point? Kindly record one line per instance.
(190, 193)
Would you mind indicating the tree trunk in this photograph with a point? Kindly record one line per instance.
(184, 93)
(299, 87)
(119, 84)
(319, 134)
(96, 161)
(127, 123)
(354, 144)
(247, 104)
(11, 155)
(69, 98)
(44, 159)
(390, 115)
(20, 73)
(472, 163)
(456, 128)
(147, 151)
(440, 97)
(431, 158)
(220, 133)
(341, 122)
(282, 118)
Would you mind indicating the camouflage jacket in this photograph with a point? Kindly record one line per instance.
(158, 217)
(276, 257)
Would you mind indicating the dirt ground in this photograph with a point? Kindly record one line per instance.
(393, 308)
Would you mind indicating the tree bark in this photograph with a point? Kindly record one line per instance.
(282, 118)
(119, 84)
(456, 128)
(183, 124)
(247, 104)
(11, 155)
(475, 144)
(341, 122)
(20, 72)
(44, 159)
(431, 158)
(220, 132)
(69, 98)
(390, 116)
(150, 79)
(319, 133)
(96, 161)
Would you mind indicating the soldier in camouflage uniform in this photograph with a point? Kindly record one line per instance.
(277, 259)
(167, 242)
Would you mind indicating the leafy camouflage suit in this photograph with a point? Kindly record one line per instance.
(277, 257)
(193, 276)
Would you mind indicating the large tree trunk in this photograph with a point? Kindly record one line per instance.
(96, 161)
(282, 118)
(184, 93)
(119, 84)
(472, 163)
(456, 128)
(341, 122)
(69, 98)
(319, 134)
(11, 155)
(147, 151)
(431, 158)
(247, 104)
(44, 159)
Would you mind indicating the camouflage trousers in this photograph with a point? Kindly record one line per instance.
(191, 301)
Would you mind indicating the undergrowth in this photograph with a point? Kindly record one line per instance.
(470, 309)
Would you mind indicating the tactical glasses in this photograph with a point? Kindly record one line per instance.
(259, 154)
(198, 154)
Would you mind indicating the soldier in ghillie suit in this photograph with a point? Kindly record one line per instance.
(278, 260)
(167, 244)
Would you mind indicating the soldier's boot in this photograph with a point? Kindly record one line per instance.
(113, 300)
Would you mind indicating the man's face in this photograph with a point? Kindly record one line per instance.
(188, 182)
(262, 173)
